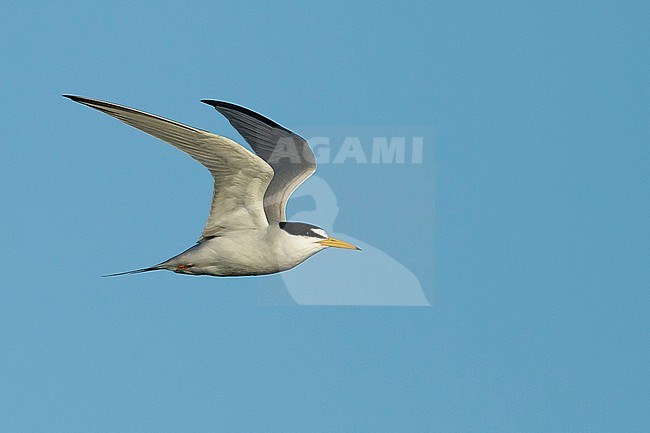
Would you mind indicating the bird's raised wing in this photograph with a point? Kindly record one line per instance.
(288, 153)
(240, 178)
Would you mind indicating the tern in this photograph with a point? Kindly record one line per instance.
(246, 232)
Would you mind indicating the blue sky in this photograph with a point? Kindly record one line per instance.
(526, 224)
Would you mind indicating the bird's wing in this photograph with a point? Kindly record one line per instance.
(240, 177)
(288, 153)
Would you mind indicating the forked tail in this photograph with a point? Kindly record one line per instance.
(137, 271)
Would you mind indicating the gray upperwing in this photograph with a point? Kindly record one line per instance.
(240, 178)
(286, 152)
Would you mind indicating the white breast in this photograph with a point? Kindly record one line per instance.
(248, 252)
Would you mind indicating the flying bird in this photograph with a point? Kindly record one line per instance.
(246, 232)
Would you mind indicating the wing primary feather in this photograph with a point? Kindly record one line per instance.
(240, 177)
(247, 111)
(295, 164)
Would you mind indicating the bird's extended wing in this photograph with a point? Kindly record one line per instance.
(288, 153)
(240, 178)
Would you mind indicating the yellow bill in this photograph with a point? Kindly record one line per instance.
(331, 242)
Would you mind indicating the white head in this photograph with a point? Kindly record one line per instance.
(311, 239)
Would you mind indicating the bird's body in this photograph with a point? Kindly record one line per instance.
(238, 253)
(246, 232)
